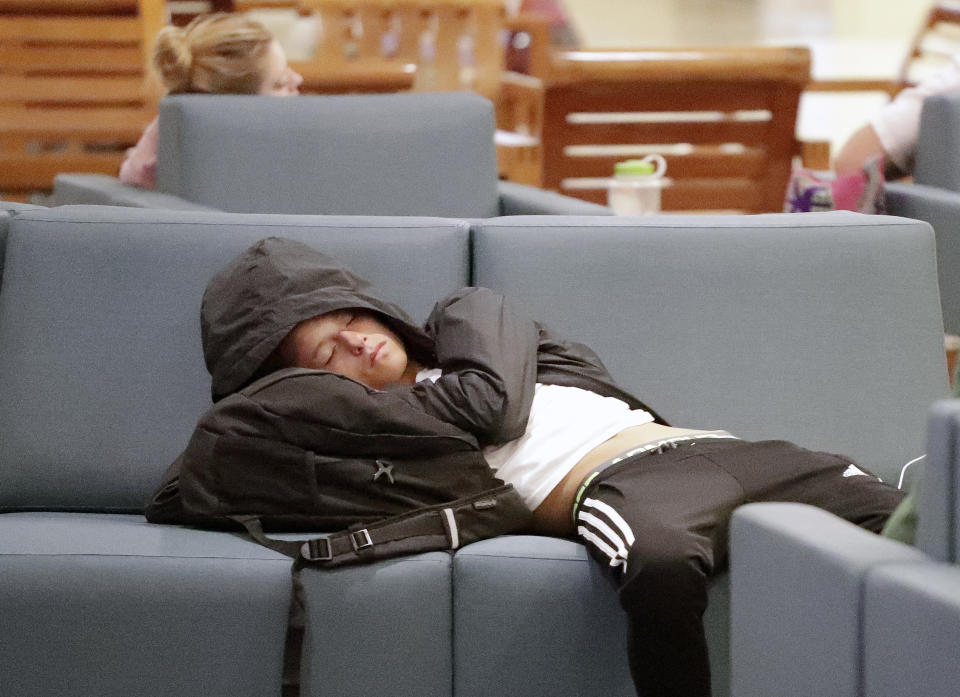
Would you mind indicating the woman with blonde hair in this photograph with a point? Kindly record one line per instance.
(214, 54)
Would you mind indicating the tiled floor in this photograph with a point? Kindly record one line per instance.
(848, 38)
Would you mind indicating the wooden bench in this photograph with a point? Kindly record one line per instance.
(74, 93)
(724, 119)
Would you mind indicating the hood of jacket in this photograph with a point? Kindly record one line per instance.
(251, 305)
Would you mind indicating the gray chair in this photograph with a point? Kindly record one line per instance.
(397, 154)
(822, 608)
(934, 195)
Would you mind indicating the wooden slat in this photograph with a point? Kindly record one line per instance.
(693, 195)
(713, 194)
(748, 63)
(68, 7)
(81, 120)
(748, 133)
(71, 89)
(37, 173)
(726, 95)
(73, 30)
(702, 162)
(16, 59)
(384, 76)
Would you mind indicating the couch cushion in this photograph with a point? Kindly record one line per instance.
(101, 372)
(112, 606)
(398, 154)
(379, 629)
(537, 616)
(821, 328)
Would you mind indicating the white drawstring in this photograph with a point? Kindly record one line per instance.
(903, 471)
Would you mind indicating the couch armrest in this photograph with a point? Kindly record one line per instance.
(100, 189)
(938, 509)
(796, 583)
(518, 199)
(940, 208)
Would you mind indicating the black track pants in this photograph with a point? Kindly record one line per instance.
(659, 521)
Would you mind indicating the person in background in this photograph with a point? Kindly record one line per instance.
(214, 54)
(892, 131)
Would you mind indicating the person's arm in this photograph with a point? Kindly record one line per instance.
(892, 131)
(140, 164)
(487, 350)
(862, 145)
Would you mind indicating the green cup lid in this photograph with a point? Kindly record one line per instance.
(635, 167)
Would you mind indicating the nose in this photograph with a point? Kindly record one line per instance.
(353, 341)
(294, 80)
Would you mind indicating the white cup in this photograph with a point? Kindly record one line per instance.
(635, 187)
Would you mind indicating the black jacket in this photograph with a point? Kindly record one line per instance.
(429, 435)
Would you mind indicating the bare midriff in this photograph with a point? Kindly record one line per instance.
(554, 515)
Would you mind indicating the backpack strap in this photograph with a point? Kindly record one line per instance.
(357, 544)
(446, 526)
(443, 526)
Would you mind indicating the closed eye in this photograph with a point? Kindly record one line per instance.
(330, 355)
(348, 319)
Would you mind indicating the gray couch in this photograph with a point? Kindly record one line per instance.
(396, 154)
(934, 194)
(770, 326)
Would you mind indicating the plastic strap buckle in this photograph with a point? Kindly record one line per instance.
(360, 539)
(317, 550)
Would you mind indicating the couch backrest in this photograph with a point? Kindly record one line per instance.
(824, 329)
(7, 210)
(101, 372)
(938, 144)
(397, 154)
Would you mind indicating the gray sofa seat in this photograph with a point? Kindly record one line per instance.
(107, 604)
(397, 154)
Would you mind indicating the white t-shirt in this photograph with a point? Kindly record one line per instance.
(898, 123)
(565, 424)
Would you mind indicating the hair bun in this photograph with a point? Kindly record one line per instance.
(172, 58)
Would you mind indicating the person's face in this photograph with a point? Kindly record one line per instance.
(280, 80)
(350, 342)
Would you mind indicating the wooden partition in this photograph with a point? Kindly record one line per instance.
(724, 119)
(452, 44)
(424, 46)
(73, 89)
